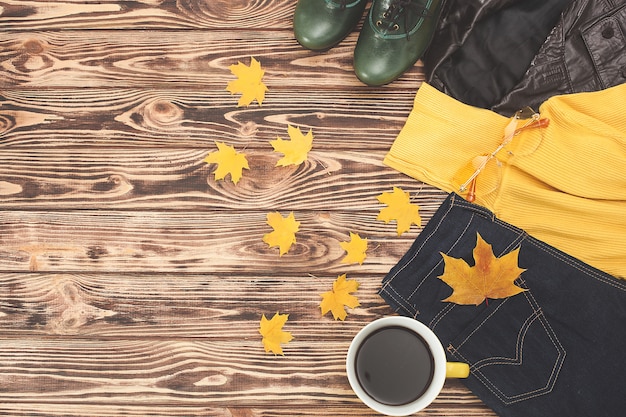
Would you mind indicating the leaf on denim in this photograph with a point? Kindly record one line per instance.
(400, 209)
(284, 233)
(273, 334)
(339, 297)
(249, 83)
(228, 161)
(355, 249)
(296, 150)
(490, 277)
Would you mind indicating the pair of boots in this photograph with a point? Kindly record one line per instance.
(394, 36)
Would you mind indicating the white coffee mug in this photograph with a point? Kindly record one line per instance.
(426, 345)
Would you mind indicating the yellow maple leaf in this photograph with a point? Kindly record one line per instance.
(284, 234)
(355, 248)
(339, 297)
(399, 208)
(228, 161)
(296, 150)
(490, 277)
(273, 334)
(249, 82)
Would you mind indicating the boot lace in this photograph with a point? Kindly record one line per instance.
(399, 9)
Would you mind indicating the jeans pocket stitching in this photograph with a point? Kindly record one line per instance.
(519, 347)
(476, 367)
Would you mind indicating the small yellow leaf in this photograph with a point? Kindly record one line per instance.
(273, 334)
(336, 300)
(284, 234)
(228, 161)
(248, 83)
(296, 150)
(355, 248)
(399, 208)
(490, 277)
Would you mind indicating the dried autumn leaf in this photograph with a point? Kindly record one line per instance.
(399, 208)
(355, 248)
(228, 161)
(284, 234)
(336, 300)
(296, 150)
(490, 277)
(248, 83)
(273, 334)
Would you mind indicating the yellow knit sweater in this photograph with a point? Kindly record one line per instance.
(564, 184)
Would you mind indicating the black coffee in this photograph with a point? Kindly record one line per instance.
(394, 365)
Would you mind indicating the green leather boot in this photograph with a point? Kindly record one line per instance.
(395, 35)
(321, 24)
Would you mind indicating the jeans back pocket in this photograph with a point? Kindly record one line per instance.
(512, 349)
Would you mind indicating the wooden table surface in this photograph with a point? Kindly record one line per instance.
(131, 281)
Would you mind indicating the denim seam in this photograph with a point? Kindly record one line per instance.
(401, 301)
(578, 265)
(440, 315)
(405, 301)
(441, 260)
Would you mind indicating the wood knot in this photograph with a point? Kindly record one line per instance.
(6, 123)
(32, 57)
(162, 113)
(249, 129)
(75, 312)
(116, 180)
(114, 183)
(33, 47)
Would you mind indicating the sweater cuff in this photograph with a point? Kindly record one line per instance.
(441, 135)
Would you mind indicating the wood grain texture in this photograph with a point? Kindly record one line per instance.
(145, 178)
(131, 281)
(153, 14)
(188, 241)
(179, 305)
(125, 118)
(189, 59)
(136, 341)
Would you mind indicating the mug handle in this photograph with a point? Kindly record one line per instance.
(457, 370)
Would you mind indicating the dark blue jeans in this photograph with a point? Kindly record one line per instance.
(555, 350)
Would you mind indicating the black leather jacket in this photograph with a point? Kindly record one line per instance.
(508, 54)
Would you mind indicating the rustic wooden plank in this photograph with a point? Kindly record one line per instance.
(140, 118)
(180, 179)
(191, 59)
(214, 242)
(153, 14)
(190, 373)
(179, 306)
(441, 408)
